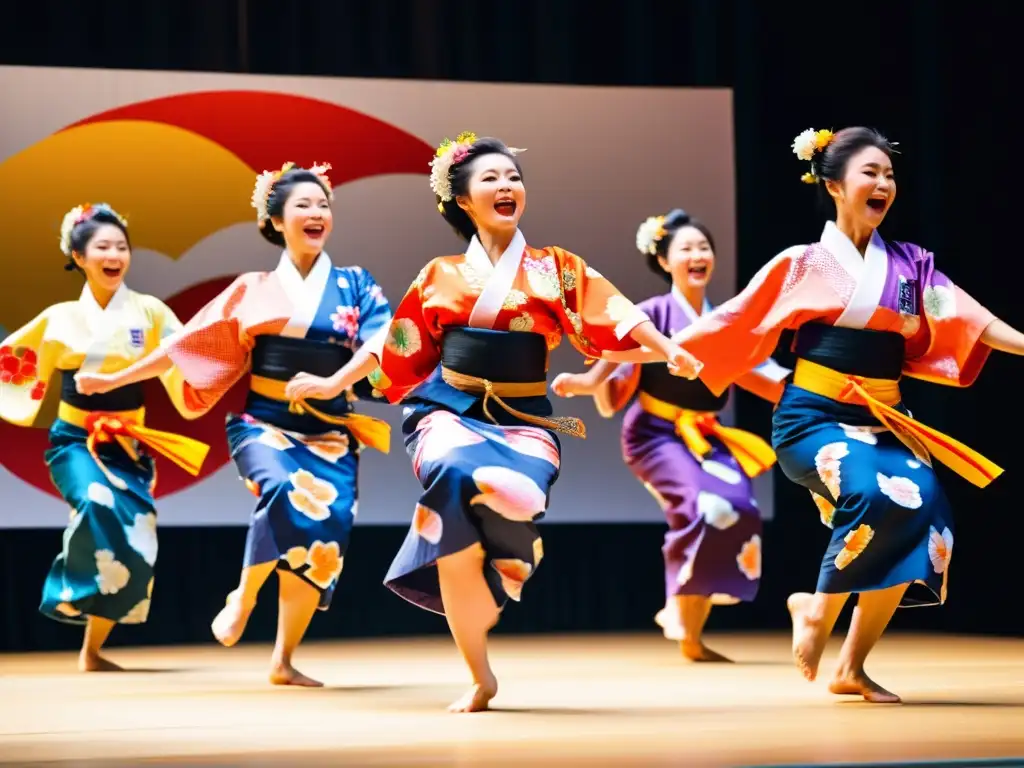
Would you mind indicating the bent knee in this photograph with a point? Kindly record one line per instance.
(471, 557)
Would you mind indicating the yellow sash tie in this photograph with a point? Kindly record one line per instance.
(879, 396)
(753, 454)
(368, 430)
(496, 390)
(125, 428)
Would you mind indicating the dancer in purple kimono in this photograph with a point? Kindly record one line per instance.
(698, 470)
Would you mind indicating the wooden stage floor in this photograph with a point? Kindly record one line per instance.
(593, 700)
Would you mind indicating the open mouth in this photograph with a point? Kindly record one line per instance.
(113, 271)
(699, 270)
(505, 207)
(876, 204)
(314, 231)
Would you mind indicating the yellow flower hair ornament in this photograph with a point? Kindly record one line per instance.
(649, 233)
(77, 215)
(450, 153)
(808, 144)
(266, 180)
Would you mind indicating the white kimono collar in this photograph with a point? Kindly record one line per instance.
(498, 278)
(306, 294)
(869, 272)
(687, 308)
(294, 283)
(93, 308)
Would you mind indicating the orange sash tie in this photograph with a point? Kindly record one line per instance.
(753, 454)
(879, 396)
(372, 432)
(126, 429)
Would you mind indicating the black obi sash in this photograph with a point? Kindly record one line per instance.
(281, 357)
(855, 352)
(127, 398)
(498, 356)
(656, 381)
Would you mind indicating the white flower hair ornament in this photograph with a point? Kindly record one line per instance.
(266, 180)
(648, 235)
(76, 216)
(808, 144)
(448, 154)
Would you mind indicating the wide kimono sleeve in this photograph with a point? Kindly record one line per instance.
(211, 351)
(28, 358)
(412, 348)
(767, 381)
(615, 392)
(374, 310)
(374, 320)
(741, 333)
(165, 324)
(592, 311)
(948, 348)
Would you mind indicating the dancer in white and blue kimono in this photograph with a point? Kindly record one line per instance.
(302, 332)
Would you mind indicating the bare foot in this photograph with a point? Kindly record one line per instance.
(93, 662)
(859, 684)
(808, 639)
(697, 651)
(669, 623)
(286, 674)
(229, 624)
(477, 698)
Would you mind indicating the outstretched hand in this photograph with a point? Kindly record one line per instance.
(306, 386)
(571, 384)
(682, 363)
(93, 383)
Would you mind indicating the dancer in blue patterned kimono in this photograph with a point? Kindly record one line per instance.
(303, 331)
(867, 312)
(98, 458)
(467, 353)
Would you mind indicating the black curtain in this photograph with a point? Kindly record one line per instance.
(931, 75)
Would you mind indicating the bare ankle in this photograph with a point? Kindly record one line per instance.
(485, 679)
(281, 661)
(846, 670)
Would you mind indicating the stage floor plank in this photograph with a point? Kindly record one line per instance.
(598, 700)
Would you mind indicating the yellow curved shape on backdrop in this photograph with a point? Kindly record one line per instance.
(173, 186)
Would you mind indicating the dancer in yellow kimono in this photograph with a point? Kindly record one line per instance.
(867, 312)
(467, 352)
(98, 457)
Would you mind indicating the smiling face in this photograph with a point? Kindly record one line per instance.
(690, 260)
(307, 220)
(105, 259)
(867, 189)
(496, 196)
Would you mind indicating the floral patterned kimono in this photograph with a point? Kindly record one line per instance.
(300, 460)
(98, 458)
(478, 426)
(699, 471)
(841, 429)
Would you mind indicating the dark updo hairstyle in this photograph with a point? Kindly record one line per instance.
(829, 164)
(459, 174)
(675, 220)
(280, 191)
(88, 223)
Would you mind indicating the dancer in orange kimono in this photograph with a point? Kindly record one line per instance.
(468, 354)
